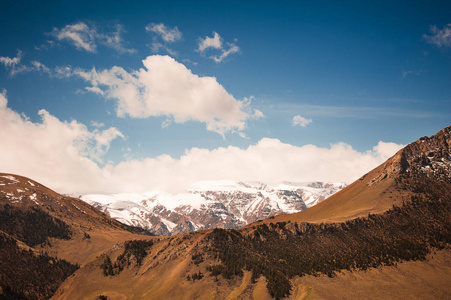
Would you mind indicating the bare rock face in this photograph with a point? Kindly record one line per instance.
(224, 204)
(430, 155)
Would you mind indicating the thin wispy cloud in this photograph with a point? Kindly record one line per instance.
(167, 34)
(87, 38)
(11, 62)
(162, 36)
(414, 73)
(357, 112)
(439, 37)
(215, 43)
(15, 66)
(300, 121)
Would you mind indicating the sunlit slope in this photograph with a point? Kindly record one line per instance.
(377, 191)
(162, 275)
(358, 199)
(91, 232)
(420, 171)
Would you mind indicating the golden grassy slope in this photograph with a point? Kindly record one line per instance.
(163, 276)
(374, 193)
(430, 279)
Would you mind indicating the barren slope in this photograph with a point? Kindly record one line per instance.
(92, 232)
(376, 191)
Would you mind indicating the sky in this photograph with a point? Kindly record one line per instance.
(133, 96)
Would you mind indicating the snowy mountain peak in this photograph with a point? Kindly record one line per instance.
(210, 204)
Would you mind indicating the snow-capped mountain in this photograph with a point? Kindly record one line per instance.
(210, 204)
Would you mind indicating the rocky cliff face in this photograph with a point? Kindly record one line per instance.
(430, 155)
(219, 204)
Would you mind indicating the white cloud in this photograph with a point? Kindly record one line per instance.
(216, 43)
(232, 49)
(65, 156)
(258, 114)
(15, 67)
(300, 121)
(166, 87)
(166, 123)
(62, 72)
(78, 34)
(407, 73)
(11, 62)
(60, 154)
(210, 42)
(38, 66)
(97, 124)
(157, 46)
(115, 41)
(440, 37)
(84, 37)
(168, 35)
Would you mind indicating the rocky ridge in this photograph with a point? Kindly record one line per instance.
(213, 204)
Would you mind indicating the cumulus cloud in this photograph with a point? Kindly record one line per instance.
(439, 37)
(86, 38)
(216, 43)
(65, 156)
(167, 34)
(300, 121)
(166, 87)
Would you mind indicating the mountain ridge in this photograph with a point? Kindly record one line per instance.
(211, 204)
(397, 212)
(375, 191)
(384, 218)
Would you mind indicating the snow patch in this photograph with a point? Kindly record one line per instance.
(12, 178)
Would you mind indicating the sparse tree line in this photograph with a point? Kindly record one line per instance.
(280, 251)
(135, 250)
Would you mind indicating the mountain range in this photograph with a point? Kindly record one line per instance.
(386, 235)
(211, 204)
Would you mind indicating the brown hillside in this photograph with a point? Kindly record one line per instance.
(281, 257)
(92, 232)
(373, 248)
(376, 191)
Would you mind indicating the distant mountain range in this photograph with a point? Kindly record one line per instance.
(211, 204)
(385, 236)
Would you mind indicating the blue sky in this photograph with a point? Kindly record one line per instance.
(129, 82)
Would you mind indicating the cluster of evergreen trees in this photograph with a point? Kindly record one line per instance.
(195, 276)
(197, 258)
(28, 275)
(32, 226)
(137, 249)
(282, 250)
